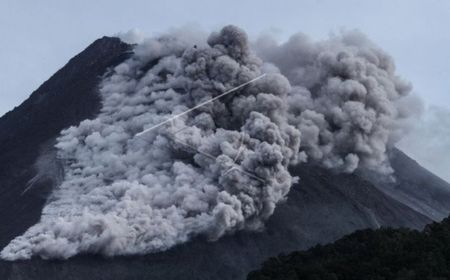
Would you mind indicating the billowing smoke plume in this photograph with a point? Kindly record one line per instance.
(345, 99)
(222, 167)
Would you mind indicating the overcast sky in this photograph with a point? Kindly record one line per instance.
(39, 37)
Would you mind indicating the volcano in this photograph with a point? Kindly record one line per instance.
(323, 207)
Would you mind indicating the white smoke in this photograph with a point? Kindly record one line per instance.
(133, 36)
(224, 166)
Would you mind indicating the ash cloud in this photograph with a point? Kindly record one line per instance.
(346, 99)
(223, 167)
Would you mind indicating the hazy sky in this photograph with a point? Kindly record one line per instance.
(39, 37)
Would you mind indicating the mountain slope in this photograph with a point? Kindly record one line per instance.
(322, 208)
(417, 187)
(66, 98)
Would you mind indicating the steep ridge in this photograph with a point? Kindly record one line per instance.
(324, 207)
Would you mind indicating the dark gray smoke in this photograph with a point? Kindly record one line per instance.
(222, 167)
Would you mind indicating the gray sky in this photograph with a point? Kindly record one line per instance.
(39, 37)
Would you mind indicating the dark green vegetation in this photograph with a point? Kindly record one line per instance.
(369, 255)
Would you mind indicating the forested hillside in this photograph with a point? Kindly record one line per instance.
(369, 255)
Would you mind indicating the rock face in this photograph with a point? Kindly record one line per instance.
(324, 207)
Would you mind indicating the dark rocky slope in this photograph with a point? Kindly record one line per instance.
(322, 208)
(422, 191)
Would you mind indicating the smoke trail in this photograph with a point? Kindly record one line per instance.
(224, 166)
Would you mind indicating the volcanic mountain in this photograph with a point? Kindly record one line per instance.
(323, 207)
